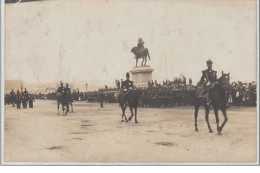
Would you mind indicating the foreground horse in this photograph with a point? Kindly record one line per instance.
(140, 53)
(129, 99)
(62, 99)
(218, 101)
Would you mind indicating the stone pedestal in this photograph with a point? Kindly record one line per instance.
(141, 75)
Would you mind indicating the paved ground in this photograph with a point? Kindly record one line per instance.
(95, 135)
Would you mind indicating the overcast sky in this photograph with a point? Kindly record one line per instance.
(91, 40)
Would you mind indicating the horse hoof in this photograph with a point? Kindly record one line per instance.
(210, 131)
(136, 122)
(129, 119)
(196, 130)
(122, 120)
(219, 133)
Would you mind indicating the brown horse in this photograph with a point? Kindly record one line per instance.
(218, 99)
(129, 99)
(140, 53)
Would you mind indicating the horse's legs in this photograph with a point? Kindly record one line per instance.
(207, 118)
(136, 61)
(71, 106)
(223, 109)
(124, 108)
(58, 108)
(132, 114)
(217, 120)
(145, 60)
(136, 115)
(142, 61)
(196, 116)
(67, 108)
(122, 112)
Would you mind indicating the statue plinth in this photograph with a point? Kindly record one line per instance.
(141, 75)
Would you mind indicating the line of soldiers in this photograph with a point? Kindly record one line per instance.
(23, 98)
(177, 94)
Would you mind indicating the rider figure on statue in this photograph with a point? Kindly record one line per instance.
(140, 43)
(208, 79)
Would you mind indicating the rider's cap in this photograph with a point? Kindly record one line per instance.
(209, 62)
(127, 74)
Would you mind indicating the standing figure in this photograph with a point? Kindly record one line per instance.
(101, 99)
(18, 99)
(31, 100)
(12, 98)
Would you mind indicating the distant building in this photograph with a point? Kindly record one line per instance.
(14, 84)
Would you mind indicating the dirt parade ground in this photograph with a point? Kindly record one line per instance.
(95, 135)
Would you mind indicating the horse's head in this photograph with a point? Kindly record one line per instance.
(224, 81)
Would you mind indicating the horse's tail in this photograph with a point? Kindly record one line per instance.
(148, 54)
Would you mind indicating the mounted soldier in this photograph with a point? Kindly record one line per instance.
(127, 84)
(60, 89)
(126, 88)
(68, 96)
(208, 80)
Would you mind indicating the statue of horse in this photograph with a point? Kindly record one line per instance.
(140, 53)
(218, 100)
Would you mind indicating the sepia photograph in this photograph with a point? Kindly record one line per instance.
(129, 82)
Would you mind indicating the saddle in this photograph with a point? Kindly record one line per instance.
(203, 90)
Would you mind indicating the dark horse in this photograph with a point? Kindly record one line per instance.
(140, 53)
(63, 100)
(218, 100)
(131, 99)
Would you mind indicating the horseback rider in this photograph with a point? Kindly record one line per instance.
(60, 89)
(208, 79)
(127, 85)
(140, 43)
(68, 92)
(67, 89)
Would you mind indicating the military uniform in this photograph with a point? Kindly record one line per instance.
(127, 84)
(18, 100)
(209, 76)
(126, 87)
(101, 99)
(60, 89)
(208, 80)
